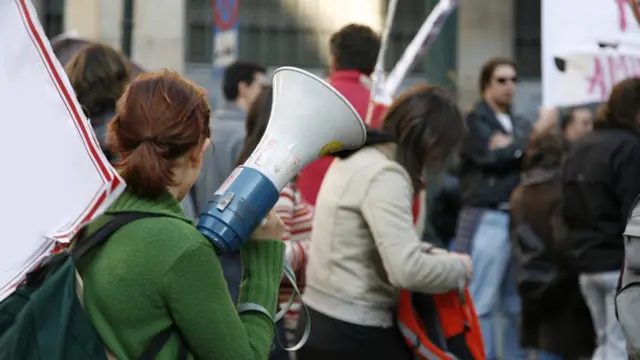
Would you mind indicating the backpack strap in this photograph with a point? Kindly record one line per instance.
(159, 341)
(99, 237)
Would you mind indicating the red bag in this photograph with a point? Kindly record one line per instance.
(440, 327)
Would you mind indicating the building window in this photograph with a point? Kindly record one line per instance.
(275, 33)
(199, 31)
(52, 17)
(527, 38)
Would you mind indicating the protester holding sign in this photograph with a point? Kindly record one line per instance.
(600, 184)
(160, 272)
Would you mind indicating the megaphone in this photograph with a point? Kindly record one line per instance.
(309, 119)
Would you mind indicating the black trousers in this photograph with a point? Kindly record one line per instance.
(333, 339)
(277, 352)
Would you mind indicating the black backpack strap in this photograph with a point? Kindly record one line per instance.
(101, 235)
(159, 341)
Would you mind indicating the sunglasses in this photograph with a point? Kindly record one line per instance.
(504, 80)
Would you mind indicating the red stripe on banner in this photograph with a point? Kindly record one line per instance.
(104, 170)
(114, 184)
(64, 93)
(95, 207)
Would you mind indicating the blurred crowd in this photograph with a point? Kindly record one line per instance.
(529, 213)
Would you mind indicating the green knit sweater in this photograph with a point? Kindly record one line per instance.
(159, 272)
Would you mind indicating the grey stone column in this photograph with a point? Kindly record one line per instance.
(485, 30)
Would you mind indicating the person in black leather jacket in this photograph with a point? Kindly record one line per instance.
(490, 161)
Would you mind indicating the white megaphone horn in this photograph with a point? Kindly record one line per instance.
(309, 119)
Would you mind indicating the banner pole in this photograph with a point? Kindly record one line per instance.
(418, 47)
(378, 72)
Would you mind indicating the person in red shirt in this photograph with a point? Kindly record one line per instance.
(354, 51)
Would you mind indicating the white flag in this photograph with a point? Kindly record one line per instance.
(55, 176)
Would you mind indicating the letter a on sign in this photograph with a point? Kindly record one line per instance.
(55, 178)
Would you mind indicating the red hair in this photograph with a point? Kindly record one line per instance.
(160, 117)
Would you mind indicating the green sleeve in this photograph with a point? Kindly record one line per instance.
(200, 304)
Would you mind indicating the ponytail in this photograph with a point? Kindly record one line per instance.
(146, 171)
(160, 118)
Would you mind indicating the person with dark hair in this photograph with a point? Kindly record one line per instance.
(242, 82)
(98, 74)
(490, 161)
(160, 272)
(365, 248)
(354, 52)
(600, 184)
(576, 123)
(555, 318)
(296, 214)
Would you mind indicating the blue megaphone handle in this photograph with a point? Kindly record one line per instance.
(234, 214)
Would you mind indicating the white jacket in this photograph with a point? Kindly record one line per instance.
(365, 247)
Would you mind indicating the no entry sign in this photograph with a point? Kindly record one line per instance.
(225, 14)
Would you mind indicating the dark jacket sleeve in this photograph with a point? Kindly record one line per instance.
(626, 166)
(476, 146)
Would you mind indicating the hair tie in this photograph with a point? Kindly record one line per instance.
(150, 139)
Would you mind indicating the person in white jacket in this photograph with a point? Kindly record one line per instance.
(365, 247)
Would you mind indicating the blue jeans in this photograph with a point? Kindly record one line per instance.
(599, 291)
(493, 287)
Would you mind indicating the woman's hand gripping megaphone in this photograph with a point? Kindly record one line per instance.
(271, 228)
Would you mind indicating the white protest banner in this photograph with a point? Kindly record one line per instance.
(418, 47)
(586, 49)
(55, 177)
(378, 90)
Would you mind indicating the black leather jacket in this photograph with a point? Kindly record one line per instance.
(600, 182)
(487, 177)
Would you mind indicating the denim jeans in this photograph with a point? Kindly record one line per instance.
(493, 287)
(599, 291)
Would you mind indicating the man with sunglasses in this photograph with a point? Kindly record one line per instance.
(489, 171)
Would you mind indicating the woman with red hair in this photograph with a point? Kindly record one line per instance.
(159, 272)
